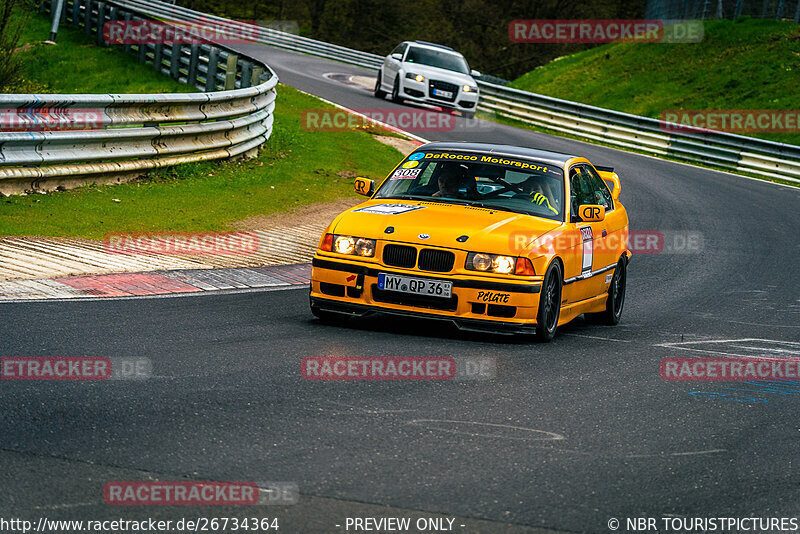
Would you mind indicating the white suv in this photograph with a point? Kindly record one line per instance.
(425, 72)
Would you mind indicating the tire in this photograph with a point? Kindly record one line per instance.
(469, 114)
(325, 316)
(549, 304)
(616, 297)
(377, 91)
(396, 91)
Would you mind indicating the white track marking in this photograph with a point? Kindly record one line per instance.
(742, 348)
(597, 337)
(431, 425)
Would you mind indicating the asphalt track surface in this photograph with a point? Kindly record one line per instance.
(568, 435)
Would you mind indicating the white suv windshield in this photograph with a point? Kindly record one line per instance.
(434, 58)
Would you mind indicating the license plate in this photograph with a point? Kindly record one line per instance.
(443, 94)
(417, 286)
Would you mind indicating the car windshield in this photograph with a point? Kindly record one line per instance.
(435, 58)
(479, 179)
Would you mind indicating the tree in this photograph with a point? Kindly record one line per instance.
(10, 33)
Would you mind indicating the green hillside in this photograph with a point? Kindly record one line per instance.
(746, 64)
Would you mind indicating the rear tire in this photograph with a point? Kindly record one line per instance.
(549, 304)
(616, 297)
(377, 91)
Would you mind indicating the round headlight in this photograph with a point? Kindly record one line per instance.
(503, 264)
(419, 78)
(365, 247)
(344, 244)
(482, 262)
(467, 88)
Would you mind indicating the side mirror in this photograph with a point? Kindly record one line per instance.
(474, 73)
(591, 212)
(613, 181)
(398, 57)
(364, 186)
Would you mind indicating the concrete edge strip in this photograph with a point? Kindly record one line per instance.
(183, 282)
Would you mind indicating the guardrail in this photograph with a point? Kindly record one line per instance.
(725, 150)
(122, 136)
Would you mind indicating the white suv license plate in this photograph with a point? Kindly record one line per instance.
(443, 94)
(416, 286)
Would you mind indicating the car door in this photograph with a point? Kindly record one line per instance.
(391, 66)
(614, 234)
(587, 239)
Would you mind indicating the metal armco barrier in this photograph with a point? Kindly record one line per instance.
(126, 135)
(725, 150)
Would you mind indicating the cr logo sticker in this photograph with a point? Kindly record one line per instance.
(591, 212)
(424, 236)
(416, 156)
(491, 296)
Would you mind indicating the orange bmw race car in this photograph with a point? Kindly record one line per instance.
(491, 237)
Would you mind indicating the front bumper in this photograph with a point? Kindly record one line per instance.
(421, 92)
(476, 303)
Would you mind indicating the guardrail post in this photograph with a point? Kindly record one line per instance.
(76, 13)
(797, 13)
(194, 59)
(158, 51)
(230, 72)
(101, 19)
(211, 72)
(141, 52)
(87, 18)
(175, 60)
(128, 17)
(247, 72)
(255, 79)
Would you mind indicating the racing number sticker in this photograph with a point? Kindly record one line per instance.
(588, 249)
(405, 174)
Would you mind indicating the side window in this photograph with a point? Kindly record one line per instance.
(401, 48)
(600, 192)
(580, 189)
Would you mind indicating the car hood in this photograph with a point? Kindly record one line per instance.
(436, 73)
(492, 231)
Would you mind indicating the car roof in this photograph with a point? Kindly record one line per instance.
(434, 46)
(544, 156)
